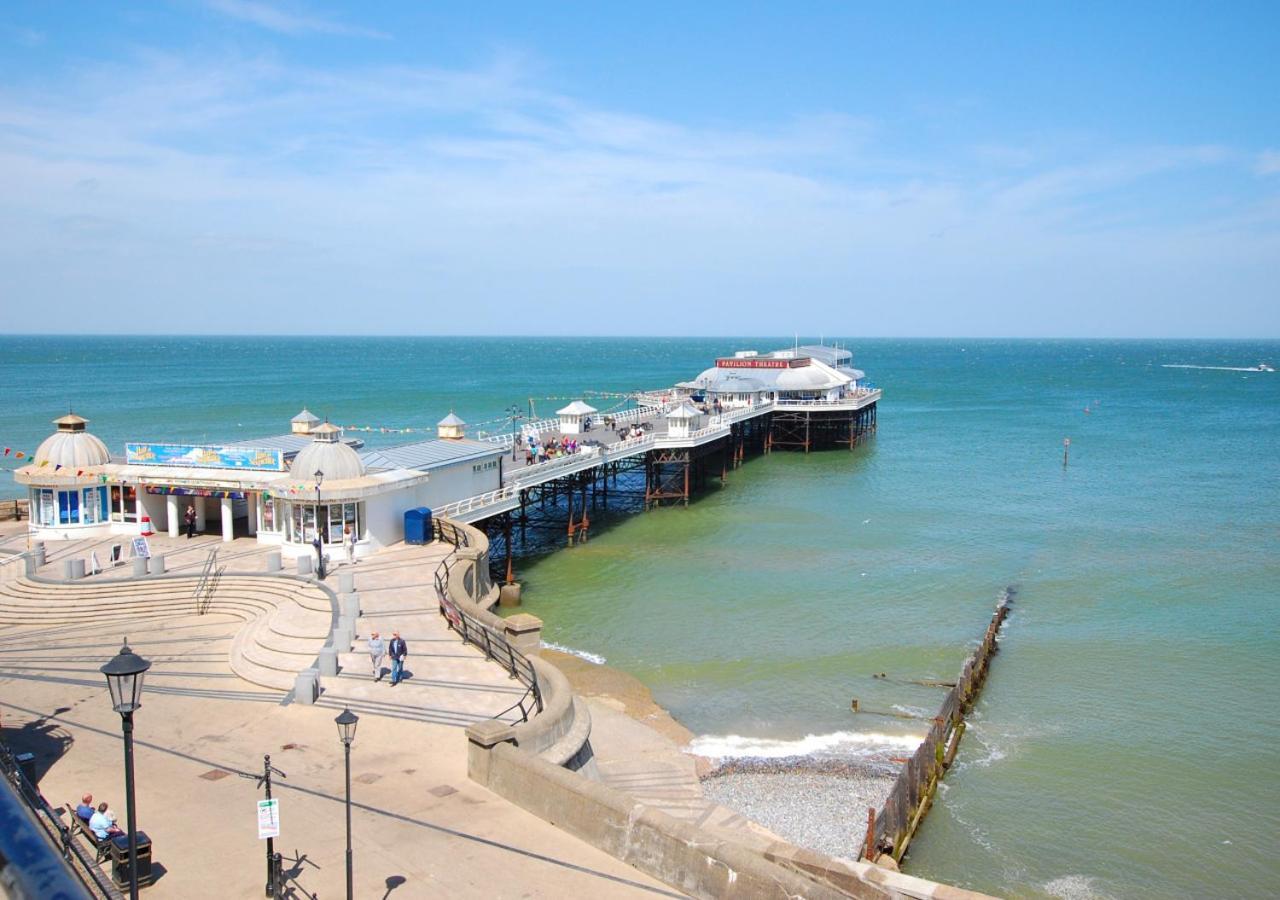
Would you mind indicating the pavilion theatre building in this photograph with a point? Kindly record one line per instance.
(280, 489)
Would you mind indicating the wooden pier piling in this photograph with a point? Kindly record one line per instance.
(890, 830)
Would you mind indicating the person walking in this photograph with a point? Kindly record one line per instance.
(398, 650)
(377, 651)
(349, 541)
(190, 518)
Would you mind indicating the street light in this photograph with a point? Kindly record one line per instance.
(513, 413)
(319, 540)
(124, 675)
(346, 722)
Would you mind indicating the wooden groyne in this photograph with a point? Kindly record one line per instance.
(890, 830)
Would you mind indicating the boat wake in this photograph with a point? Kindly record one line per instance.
(1261, 367)
(836, 744)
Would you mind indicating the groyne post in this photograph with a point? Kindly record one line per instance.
(890, 830)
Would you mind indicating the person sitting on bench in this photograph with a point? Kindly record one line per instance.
(101, 824)
(84, 812)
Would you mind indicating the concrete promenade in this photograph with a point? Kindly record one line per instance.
(421, 828)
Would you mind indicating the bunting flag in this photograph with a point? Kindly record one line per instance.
(20, 454)
(57, 467)
(6, 451)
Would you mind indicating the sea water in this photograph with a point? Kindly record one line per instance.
(1124, 744)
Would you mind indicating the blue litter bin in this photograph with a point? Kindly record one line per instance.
(417, 526)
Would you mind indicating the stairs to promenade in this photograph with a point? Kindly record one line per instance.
(286, 621)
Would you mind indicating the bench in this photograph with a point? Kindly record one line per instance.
(101, 846)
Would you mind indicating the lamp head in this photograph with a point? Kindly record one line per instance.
(124, 675)
(346, 722)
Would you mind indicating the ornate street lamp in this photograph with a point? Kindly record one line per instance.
(124, 675)
(346, 722)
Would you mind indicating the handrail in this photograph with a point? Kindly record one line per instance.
(204, 587)
(78, 875)
(472, 631)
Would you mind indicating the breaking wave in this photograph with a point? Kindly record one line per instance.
(838, 743)
(590, 657)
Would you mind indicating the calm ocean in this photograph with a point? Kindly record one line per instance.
(1125, 744)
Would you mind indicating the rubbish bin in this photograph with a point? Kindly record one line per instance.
(120, 859)
(417, 526)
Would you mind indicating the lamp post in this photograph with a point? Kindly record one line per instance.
(346, 722)
(513, 412)
(319, 539)
(124, 680)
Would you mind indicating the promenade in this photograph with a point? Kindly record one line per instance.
(420, 827)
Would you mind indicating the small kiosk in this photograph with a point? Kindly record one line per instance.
(683, 420)
(576, 417)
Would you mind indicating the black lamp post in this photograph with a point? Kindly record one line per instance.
(513, 412)
(346, 722)
(124, 680)
(319, 538)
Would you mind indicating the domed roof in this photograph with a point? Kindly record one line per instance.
(452, 420)
(805, 378)
(72, 446)
(306, 417)
(329, 455)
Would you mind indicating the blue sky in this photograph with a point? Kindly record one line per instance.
(1030, 169)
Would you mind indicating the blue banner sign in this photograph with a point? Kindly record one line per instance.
(197, 456)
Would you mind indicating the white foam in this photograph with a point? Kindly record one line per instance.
(837, 743)
(1075, 887)
(590, 657)
(1216, 368)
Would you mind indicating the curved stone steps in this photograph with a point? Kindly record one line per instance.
(286, 621)
(245, 597)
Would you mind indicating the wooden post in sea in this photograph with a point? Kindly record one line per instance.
(1066, 450)
(869, 849)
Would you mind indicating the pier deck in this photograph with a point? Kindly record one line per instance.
(602, 445)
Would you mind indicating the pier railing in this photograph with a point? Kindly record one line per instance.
(473, 630)
(891, 829)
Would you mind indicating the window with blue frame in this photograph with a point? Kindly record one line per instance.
(68, 507)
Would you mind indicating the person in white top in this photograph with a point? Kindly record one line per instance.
(349, 539)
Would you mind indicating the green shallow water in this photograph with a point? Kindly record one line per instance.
(1124, 746)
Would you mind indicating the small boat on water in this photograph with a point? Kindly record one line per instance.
(1263, 367)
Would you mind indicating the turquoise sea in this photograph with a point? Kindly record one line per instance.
(1125, 744)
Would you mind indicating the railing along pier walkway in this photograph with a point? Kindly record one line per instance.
(670, 459)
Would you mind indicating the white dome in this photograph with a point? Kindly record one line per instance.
(327, 454)
(72, 446)
(805, 378)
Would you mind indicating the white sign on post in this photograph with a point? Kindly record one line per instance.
(268, 819)
(141, 548)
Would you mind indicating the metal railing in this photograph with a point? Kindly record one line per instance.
(495, 646)
(479, 501)
(45, 858)
(208, 582)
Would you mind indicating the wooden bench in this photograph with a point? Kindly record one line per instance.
(101, 846)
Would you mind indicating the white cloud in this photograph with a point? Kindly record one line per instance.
(1268, 163)
(438, 199)
(273, 18)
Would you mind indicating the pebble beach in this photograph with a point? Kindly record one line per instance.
(819, 804)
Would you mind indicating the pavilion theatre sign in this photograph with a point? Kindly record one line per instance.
(197, 456)
(758, 363)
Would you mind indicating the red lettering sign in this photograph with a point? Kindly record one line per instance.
(756, 362)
